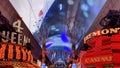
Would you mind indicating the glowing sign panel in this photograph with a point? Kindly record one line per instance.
(98, 59)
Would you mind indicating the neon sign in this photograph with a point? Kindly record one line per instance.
(25, 55)
(98, 59)
(101, 32)
(16, 37)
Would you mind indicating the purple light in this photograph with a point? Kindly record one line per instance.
(96, 9)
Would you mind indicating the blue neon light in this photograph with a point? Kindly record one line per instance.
(64, 37)
(67, 49)
(48, 44)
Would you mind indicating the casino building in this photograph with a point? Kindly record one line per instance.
(62, 34)
(103, 41)
(15, 44)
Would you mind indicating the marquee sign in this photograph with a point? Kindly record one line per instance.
(15, 37)
(13, 51)
(10, 47)
(17, 64)
(101, 32)
(105, 50)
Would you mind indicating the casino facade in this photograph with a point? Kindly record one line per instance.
(57, 42)
(103, 43)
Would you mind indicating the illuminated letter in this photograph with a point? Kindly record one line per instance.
(26, 40)
(109, 58)
(87, 37)
(92, 60)
(17, 25)
(10, 51)
(95, 59)
(96, 33)
(98, 59)
(86, 60)
(13, 37)
(103, 59)
(24, 54)
(6, 36)
(20, 39)
(113, 30)
(2, 51)
(105, 31)
(29, 55)
(18, 54)
(118, 28)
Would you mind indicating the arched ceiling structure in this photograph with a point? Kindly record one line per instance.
(56, 14)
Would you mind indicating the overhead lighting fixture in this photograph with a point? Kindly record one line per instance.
(84, 7)
(90, 2)
(70, 2)
(53, 27)
(85, 14)
(60, 7)
(57, 30)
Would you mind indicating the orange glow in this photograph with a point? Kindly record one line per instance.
(19, 52)
(24, 54)
(10, 51)
(31, 57)
(2, 51)
(28, 53)
(18, 55)
(24, 64)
